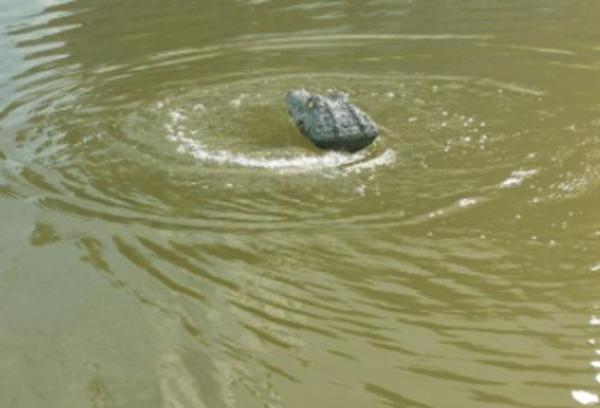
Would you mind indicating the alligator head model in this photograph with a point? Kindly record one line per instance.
(331, 121)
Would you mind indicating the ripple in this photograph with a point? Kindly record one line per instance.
(167, 173)
(201, 140)
(303, 162)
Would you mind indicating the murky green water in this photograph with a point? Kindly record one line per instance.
(168, 239)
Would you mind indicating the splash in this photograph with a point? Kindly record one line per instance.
(517, 178)
(188, 143)
(301, 162)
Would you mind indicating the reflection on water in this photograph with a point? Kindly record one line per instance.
(170, 240)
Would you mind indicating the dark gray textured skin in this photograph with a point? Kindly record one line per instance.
(331, 121)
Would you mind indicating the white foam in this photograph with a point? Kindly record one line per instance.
(200, 107)
(237, 102)
(176, 116)
(187, 143)
(199, 152)
(517, 177)
(584, 397)
(361, 190)
(466, 202)
(386, 158)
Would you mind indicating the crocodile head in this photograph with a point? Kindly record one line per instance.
(301, 103)
(298, 103)
(330, 121)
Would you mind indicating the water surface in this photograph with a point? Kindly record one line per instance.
(170, 240)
